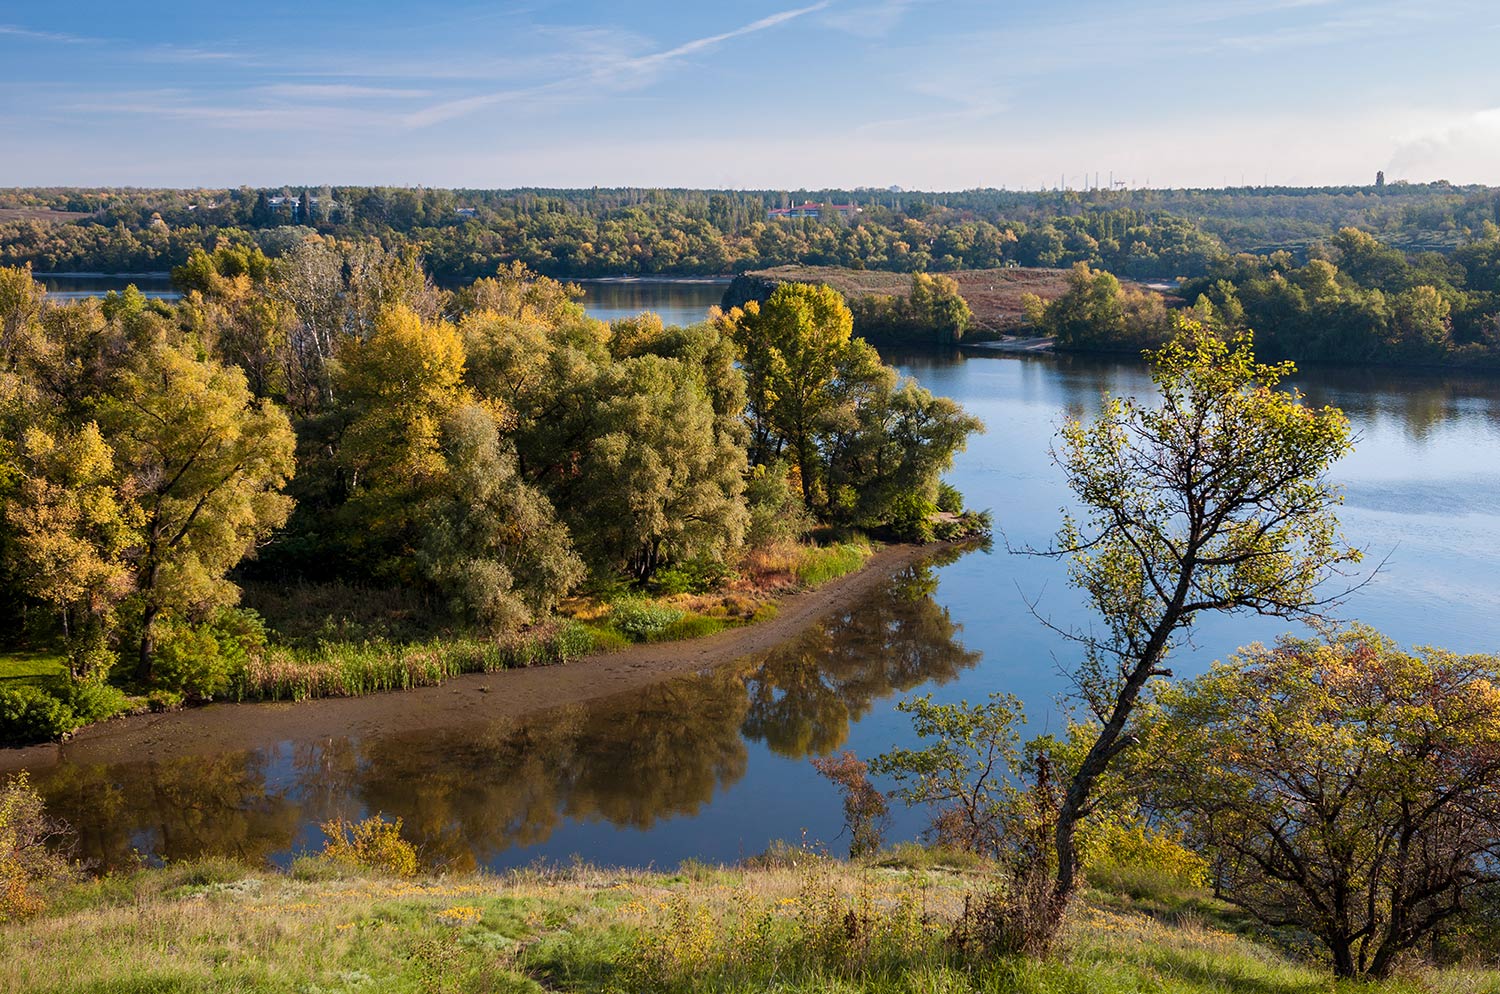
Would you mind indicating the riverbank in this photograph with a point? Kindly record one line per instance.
(794, 921)
(995, 296)
(470, 699)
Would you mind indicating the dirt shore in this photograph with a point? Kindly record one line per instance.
(473, 699)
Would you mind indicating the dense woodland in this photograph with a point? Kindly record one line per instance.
(1389, 273)
(465, 234)
(1354, 298)
(333, 417)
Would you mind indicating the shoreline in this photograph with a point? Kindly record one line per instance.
(470, 699)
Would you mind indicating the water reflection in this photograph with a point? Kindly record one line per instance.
(468, 795)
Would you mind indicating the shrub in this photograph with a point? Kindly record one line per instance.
(1125, 850)
(777, 512)
(866, 813)
(643, 621)
(28, 867)
(949, 500)
(572, 640)
(911, 517)
(30, 714)
(605, 639)
(188, 661)
(696, 576)
(372, 844)
(164, 700)
(204, 661)
(93, 701)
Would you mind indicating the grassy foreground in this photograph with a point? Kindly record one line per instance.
(794, 923)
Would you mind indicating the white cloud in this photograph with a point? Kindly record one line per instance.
(1463, 148)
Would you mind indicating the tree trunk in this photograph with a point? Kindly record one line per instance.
(1343, 959)
(148, 644)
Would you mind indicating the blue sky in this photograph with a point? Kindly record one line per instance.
(932, 94)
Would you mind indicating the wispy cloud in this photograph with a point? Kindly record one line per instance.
(172, 104)
(339, 91)
(610, 70)
(656, 59)
(16, 31)
(188, 53)
(871, 20)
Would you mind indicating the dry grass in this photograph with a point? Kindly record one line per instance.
(994, 295)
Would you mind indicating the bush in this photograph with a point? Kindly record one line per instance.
(949, 500)
(28, 867)
(777, 512)
(93, 701)
(188, 661)
(911, 517)
(30, 714)
(694, 577)
(372, 844)
(605, 639)
(164, 700)
(643, 621)
(1129, 850)
(209, 660)
(572, 641)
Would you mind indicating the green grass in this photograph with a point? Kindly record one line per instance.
(32, 665)
(819, 564)
(808, 924)
(351, 669)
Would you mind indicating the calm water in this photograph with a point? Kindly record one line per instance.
(77, 286)
(716, 766)
(677, 301)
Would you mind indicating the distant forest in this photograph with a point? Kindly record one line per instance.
(466, 234)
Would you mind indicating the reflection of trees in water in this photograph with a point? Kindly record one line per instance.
(468, 793)
(658, 753)
(175, 809)
(1419, 403)
(805, 694)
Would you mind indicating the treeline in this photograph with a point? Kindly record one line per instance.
(669, 240)
(465, 234)
(333, 416)
(1355, 299)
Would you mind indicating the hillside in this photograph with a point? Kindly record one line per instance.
(796, 921)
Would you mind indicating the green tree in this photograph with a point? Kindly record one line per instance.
(1214, 500)
(73, 527)
(433, 491)
(206, 463)
(790, 348)
(657, 482)
(487, 540)
(1348, 788)
(885, 442)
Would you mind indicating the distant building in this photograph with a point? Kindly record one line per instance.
(466, 211)
(810, 209)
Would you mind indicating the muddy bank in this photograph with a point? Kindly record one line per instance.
(472, 699)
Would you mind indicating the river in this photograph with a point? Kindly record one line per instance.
(715, 766)
(676, 301)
